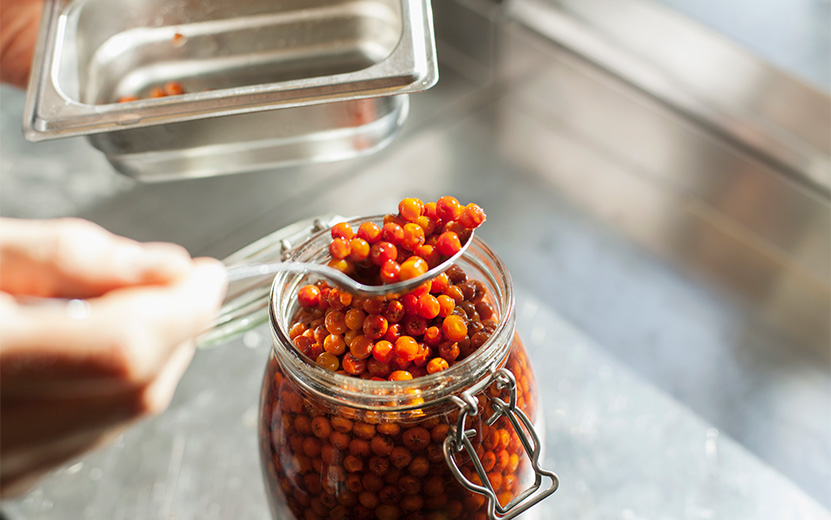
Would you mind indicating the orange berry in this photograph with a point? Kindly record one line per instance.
(334, 344)
(437, 365)
(413, 236)
(454, 328)
(448, 208)
(412, 267)
(410, 209)
(340, 248)
(428, 306)
(472, 217)
(429, 253)
(446, 305)
(359, 249)
(370, 232)
(328, 361)
(406, 348)
(361, 347)
(342, 230)
(400, 375)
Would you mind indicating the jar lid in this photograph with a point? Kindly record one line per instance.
(246, 301)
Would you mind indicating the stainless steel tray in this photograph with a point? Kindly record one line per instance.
(267, 84)
(252, 55)
(255, 141)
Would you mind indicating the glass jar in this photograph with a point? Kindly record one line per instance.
(456, 444)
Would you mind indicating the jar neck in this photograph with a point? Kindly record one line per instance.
(479, 262)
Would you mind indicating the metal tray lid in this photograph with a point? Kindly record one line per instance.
(86, 47)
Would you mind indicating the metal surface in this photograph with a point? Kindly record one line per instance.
(711, 79)
(253, 56)
(255, 141)
(625, 449)
(672, 289)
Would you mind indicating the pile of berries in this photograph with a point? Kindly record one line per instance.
(418, 238)
(425, 331)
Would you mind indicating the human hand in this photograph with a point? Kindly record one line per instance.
(73, 374)
(19, 20)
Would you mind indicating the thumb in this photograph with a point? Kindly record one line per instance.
(74, 258)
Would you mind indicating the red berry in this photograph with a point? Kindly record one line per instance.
(383, 351)
(390, 271)
(472, 217)
(353, 365)
(382, 251)
(439, 283)
(375, 326)
(448, 243)
(392, 233)
(308, 296)
(410, 302)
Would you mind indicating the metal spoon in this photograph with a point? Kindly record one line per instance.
(241, 272)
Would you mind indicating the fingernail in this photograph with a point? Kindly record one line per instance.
(212, 277)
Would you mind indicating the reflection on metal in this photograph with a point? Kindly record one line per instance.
(688, 195)
(696, 71)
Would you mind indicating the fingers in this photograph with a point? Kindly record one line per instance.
(121, 339)
(73, 258)
(18, 32)
(33, 423)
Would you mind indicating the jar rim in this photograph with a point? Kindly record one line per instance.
(412, 394)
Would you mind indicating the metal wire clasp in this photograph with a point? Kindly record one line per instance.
(459, 439)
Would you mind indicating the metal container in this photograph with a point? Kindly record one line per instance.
(267, 83)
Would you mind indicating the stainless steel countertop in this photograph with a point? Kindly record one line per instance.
(622, 448)
(684, 285)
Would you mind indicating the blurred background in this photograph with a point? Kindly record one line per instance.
(655, 172)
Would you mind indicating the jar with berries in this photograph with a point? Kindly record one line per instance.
(420, 405)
